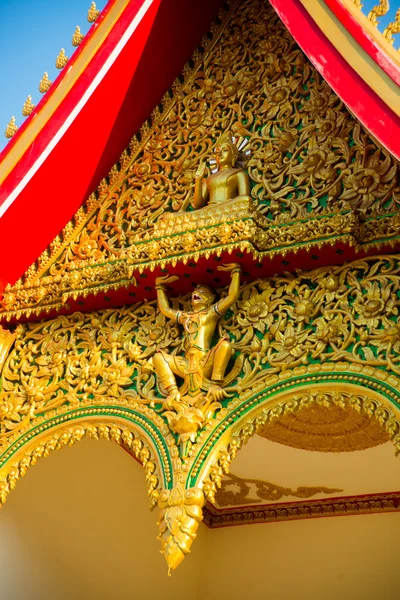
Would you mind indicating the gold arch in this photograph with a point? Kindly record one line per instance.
(363, 399)
(68, 434)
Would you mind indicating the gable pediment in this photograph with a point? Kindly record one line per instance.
(320, 184)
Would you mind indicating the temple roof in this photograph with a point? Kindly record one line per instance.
(354, 57)
(70, 128)
(72, 138)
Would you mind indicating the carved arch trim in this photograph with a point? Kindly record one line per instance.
(118, 424)
(369, 391)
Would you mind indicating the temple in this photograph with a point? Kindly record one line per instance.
(200, 232)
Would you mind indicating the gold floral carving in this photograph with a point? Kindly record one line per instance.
(326, 425)
(240, 495)
(346, 314)
(330, 507)
(316, 175)
(180, 516)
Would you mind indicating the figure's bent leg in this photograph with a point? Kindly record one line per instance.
(163, 370)
(222, 355)
(166, 377)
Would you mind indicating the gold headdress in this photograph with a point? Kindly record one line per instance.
(237, 144)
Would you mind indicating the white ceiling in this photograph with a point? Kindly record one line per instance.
(370, 471)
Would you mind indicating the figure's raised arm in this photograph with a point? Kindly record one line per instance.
(234, 289)
(200, 195)
(162, 298)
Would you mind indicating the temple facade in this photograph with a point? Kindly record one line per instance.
(223, 305)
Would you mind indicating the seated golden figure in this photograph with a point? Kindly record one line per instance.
(227, 183)
(202, 368)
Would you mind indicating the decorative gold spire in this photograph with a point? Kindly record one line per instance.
(93, 13)
(28, 107)
(11, 128)
(62, 59)
(44, 84)
(379, 10)
(392, 28)
(6, 341)
(77, 36)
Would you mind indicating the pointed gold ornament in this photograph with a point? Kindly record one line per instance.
(62, 59)
(11, 128)
(45, 83)
(28, 107)
(93, 13)
(6, 341)
(77, 36)
(392, 28)
(380, 10)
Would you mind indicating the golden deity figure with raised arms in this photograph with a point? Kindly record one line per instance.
(202, 367)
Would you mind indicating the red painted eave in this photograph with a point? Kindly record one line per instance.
(363, 102)
(366, 41)
(48, 187)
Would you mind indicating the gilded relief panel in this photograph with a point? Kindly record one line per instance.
(315, 174)
(328, 340)
(346, 314)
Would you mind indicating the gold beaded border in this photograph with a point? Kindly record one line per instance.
(152, 435)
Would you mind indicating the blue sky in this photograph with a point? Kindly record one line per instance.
(33, 33)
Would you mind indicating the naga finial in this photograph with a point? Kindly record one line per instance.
(6, 341)
(380, 10)
(28, 106)
(77, 37)
(392, 28)
(45, 83)
(93, 13)
(61, 59)
(11, 128)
